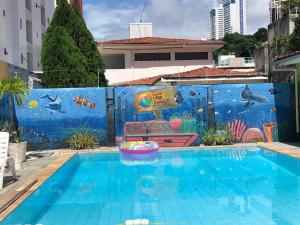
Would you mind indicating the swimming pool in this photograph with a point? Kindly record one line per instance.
(209, 187)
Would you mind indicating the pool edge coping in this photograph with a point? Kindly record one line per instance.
(281, 150)
(42, 175)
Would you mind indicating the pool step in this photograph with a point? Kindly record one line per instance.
(137, 222)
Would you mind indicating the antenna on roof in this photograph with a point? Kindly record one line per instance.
(142, 13)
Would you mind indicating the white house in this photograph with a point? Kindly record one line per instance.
(135, 58)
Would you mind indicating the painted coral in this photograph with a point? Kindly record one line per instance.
(252, 135)
(237, 128)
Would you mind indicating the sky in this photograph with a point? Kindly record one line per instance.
(109, 19)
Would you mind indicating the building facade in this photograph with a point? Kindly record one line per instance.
(275, 10)
(131, 59)
(235, 16)
(217, 23)
(23, 24)
(146, 56)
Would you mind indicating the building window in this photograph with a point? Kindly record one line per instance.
(5, 51)
(191, 55)
(4, 12)
(164, 56)
(28, 4)
(43, 16)
(22, 58)
(21, 24)
(37, 35)
(114, 61)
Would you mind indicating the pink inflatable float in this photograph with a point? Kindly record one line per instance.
(139, 147)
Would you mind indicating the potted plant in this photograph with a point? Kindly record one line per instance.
(14, 90)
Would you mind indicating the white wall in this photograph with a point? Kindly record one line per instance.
(14, 35)
(141, 69)
(11, 36)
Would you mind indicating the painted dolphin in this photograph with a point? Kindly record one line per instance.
(55, 103)
(251, 98)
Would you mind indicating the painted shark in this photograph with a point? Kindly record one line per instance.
(252, 98)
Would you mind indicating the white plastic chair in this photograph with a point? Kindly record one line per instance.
(5, 161)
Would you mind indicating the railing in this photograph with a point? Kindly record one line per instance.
(249, 60)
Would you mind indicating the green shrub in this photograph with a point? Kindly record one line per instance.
(82, 140)
(208, 137)
(222, 136)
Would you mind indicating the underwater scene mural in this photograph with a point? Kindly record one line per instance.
(178, 116)
(172, 116)
(51, 116)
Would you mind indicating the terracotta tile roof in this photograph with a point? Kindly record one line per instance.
(287, 55)
(208, 72)
(144, 81)
(158, 41)
(203, 72)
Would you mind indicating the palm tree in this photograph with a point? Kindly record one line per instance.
(15, 89)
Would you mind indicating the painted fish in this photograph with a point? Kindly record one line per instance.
(80, 101)
(251, 98)
(273, 110)
(178, 97)
(216, 91)
(274, 91)
(210, 102)
(200, 110)
(193, 93)
(33, 104)
(93, 105)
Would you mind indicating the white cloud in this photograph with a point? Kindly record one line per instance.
(170, 18)
(258, 14)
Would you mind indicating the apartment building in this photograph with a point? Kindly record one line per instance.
(217, 23)
(235, 16)
(23, 24)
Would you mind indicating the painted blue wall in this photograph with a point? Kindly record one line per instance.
(262, 104)
(50, 116)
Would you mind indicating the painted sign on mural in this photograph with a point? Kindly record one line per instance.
(254, 112)
(155, 100)
(50, 116)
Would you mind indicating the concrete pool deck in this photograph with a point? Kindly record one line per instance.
(40, 169)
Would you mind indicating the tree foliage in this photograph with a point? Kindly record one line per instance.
(70, 19)
(15, 89)
(63, 63)
(289, 4)
(294, 39)
(242, 45)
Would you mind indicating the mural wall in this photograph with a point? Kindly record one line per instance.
(177, 116)
(174, 116)
(50, 116)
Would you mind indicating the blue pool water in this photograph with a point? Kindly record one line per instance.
(210, 187)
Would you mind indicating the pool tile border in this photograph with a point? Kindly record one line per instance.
(279, 149)
(42, 176)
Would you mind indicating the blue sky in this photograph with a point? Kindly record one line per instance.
(109, 19)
